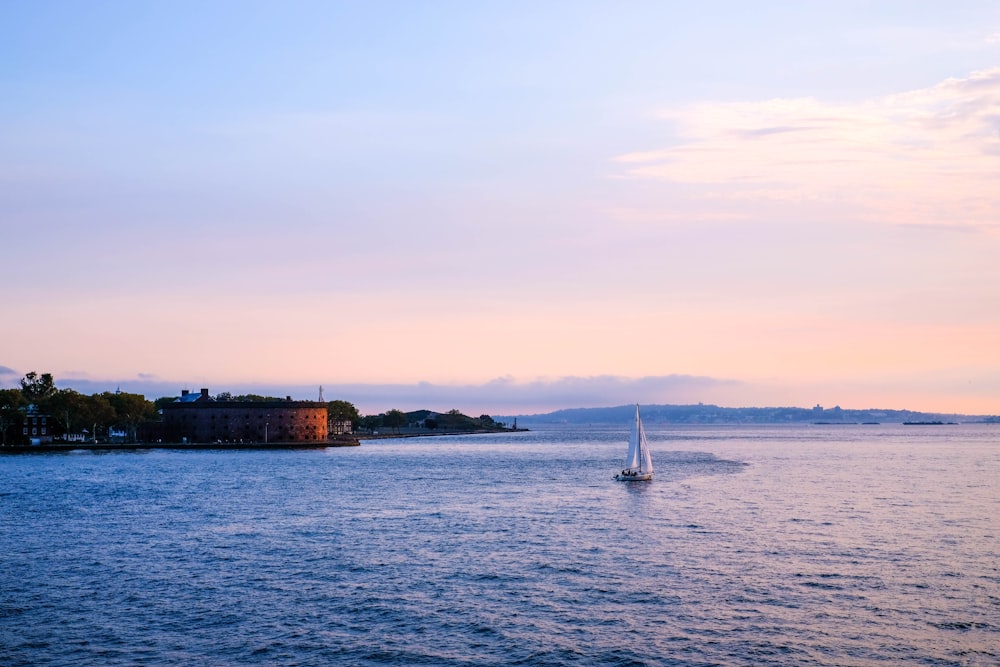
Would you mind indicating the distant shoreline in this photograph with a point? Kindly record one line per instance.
(435, 433)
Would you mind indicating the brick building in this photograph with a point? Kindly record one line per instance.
(200, 418)
(37, 429)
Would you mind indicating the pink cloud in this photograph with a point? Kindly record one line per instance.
(929, 156)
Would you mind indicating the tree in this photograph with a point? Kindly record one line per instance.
(37, 388)
(11, 403)
(342, 411)
(255, 398)
(67, 408)
(487, 421)
(130, 410)
(395, 419)
(100, 414)
(453, 420)
(164, 400)
(371, 422)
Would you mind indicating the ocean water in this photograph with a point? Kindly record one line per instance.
(815, 545)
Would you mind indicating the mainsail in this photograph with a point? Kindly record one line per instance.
(638, 457)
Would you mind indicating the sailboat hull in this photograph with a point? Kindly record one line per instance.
(638, 477)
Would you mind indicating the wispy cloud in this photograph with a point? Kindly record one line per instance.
(928, 156)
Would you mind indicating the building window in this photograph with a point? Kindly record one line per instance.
(25, 430)
(34, 431)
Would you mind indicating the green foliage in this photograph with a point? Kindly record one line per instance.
(255, 398)
(74, 412)
(130, 410)
(37, 388)
(454, 420)
(11, 403)
(371, 422)
(66, 407)
(341, 411)
(164, 400)
(70, 411)
(100, 415)
(395, 419)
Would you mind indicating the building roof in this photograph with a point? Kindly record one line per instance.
(189, 397)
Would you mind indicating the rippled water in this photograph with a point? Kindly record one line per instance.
(859, 545)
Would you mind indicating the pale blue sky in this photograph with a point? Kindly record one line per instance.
(390, 193)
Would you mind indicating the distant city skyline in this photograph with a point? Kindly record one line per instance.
(493, 205)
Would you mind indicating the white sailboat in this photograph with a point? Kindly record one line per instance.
(638, 463)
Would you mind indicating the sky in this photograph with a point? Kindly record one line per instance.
(505, 207)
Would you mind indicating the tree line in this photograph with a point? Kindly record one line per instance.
(68, 411)
(453, 420)
(95, 416)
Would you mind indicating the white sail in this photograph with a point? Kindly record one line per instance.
(636, 443)
(645, 460)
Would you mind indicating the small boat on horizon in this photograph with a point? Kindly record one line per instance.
(638, 462)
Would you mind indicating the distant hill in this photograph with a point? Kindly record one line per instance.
(713, 414)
